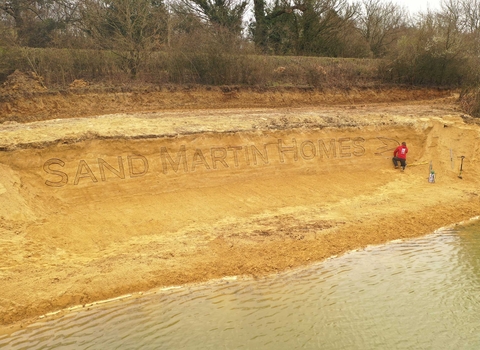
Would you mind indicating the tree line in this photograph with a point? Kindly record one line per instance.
(438, 47)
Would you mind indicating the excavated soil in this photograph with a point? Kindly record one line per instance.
(107, 194)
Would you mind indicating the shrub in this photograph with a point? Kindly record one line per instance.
(470, 101)
(207, 64)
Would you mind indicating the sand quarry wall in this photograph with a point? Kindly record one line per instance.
(182, 171)
(120, 185)
(93, 208)
(92, 189)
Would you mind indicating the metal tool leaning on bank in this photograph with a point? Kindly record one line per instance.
(461, 167)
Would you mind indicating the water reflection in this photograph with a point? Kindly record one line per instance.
(416, 294)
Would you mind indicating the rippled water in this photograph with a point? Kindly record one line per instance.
(417, 294)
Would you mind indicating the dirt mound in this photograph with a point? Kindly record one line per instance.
(78, 83)
(23, 82)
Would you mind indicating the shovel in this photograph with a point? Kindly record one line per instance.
(461, 168)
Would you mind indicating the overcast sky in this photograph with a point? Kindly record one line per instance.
(416, 6)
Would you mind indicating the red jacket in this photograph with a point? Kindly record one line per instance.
(401, 152)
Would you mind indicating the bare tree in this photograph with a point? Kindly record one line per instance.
(129, 28)
(470, 11)
(435, 50)
(322, 25)
(36, 21)
(380, 23)
(470, 24)
(304, 26)
(449, 28)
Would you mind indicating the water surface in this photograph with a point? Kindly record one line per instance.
(417, 294)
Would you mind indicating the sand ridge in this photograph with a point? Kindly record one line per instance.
(94, 208)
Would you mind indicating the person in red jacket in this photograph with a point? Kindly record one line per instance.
(400, 155)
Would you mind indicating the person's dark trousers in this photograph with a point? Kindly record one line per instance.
(402, 161)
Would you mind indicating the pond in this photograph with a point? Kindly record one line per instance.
(421, 293)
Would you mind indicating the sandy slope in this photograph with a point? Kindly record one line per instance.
(93, 208)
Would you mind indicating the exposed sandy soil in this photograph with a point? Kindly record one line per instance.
(186, 186)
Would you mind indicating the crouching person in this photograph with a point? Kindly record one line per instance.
(400, 156)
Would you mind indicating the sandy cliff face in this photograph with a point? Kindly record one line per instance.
(93, 208)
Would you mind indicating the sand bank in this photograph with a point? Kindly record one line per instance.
(99, 207)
